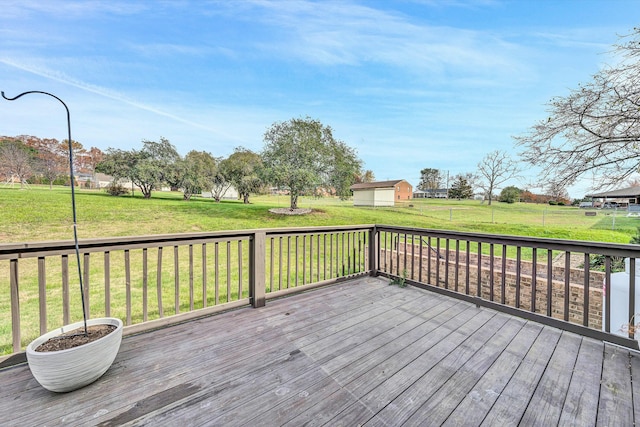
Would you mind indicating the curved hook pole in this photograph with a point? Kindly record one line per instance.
(73, 194)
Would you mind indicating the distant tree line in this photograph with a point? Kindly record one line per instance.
(29, 159)
(300, 156)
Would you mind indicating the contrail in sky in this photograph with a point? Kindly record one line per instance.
(62, 78)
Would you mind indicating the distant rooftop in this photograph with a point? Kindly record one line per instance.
(623, 192)
(376, 184)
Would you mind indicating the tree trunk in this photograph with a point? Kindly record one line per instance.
(245, 198)
(294, 201)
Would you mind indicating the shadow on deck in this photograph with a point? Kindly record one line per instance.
(357, 353)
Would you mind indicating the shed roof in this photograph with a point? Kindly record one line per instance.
(623, 192)
(376, 184)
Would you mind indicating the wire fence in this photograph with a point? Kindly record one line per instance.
(601, 219)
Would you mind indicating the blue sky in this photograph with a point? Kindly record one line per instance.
(409, 84)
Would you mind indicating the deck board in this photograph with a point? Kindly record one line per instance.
(615, 406)
(474, 407)
(438, 406)
(357, 353)
(581, 404)
(547, 401)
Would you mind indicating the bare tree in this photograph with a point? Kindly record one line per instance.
(494, 169)
(557, 192)
(16, 161)
(596, 128)
(367, 176)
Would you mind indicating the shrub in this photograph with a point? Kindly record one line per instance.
(116, 189)
(61, 180)
(553, 202)
(597, 263)
(510, 194)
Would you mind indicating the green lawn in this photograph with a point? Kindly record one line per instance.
(39, 214)
(42, 214)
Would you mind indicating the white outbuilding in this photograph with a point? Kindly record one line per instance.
(381, 193)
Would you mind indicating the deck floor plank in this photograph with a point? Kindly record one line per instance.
(437, 406)
(581, 404)
(403, 406)
(358, 352)
(388, 380)
(635, 373)
(475, 406)
(547, 401)
(515, 397)
(615, 404)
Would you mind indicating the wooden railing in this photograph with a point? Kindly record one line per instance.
(547, 280)
(153, 281)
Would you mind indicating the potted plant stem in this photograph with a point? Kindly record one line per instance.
(75, 355)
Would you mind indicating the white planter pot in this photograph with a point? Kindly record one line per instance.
(70, 369)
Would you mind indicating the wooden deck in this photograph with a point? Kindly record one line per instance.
(358, 353)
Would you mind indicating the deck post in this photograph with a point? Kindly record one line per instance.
(257, 262)
(372, 264)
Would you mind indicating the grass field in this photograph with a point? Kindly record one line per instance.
(41, 214)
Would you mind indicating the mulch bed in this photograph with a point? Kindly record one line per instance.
(289, 211)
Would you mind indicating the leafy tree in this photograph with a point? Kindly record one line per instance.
(510, 194)
(243, 169)
(595, 128)
(221, 181)
(345, 168)
(118, 163)
(460, 188)
(159, 161)
(148, 168)
(197, 172)
(494, 169)
(430, 179)
(298, 155)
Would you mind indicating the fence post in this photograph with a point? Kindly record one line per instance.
(15, 305)
(257, 262)
(373, 264)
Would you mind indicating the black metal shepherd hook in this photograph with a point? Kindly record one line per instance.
(73, 195)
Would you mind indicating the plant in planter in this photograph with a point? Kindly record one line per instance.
(75, 355)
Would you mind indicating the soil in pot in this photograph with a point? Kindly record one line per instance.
(76, 338)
